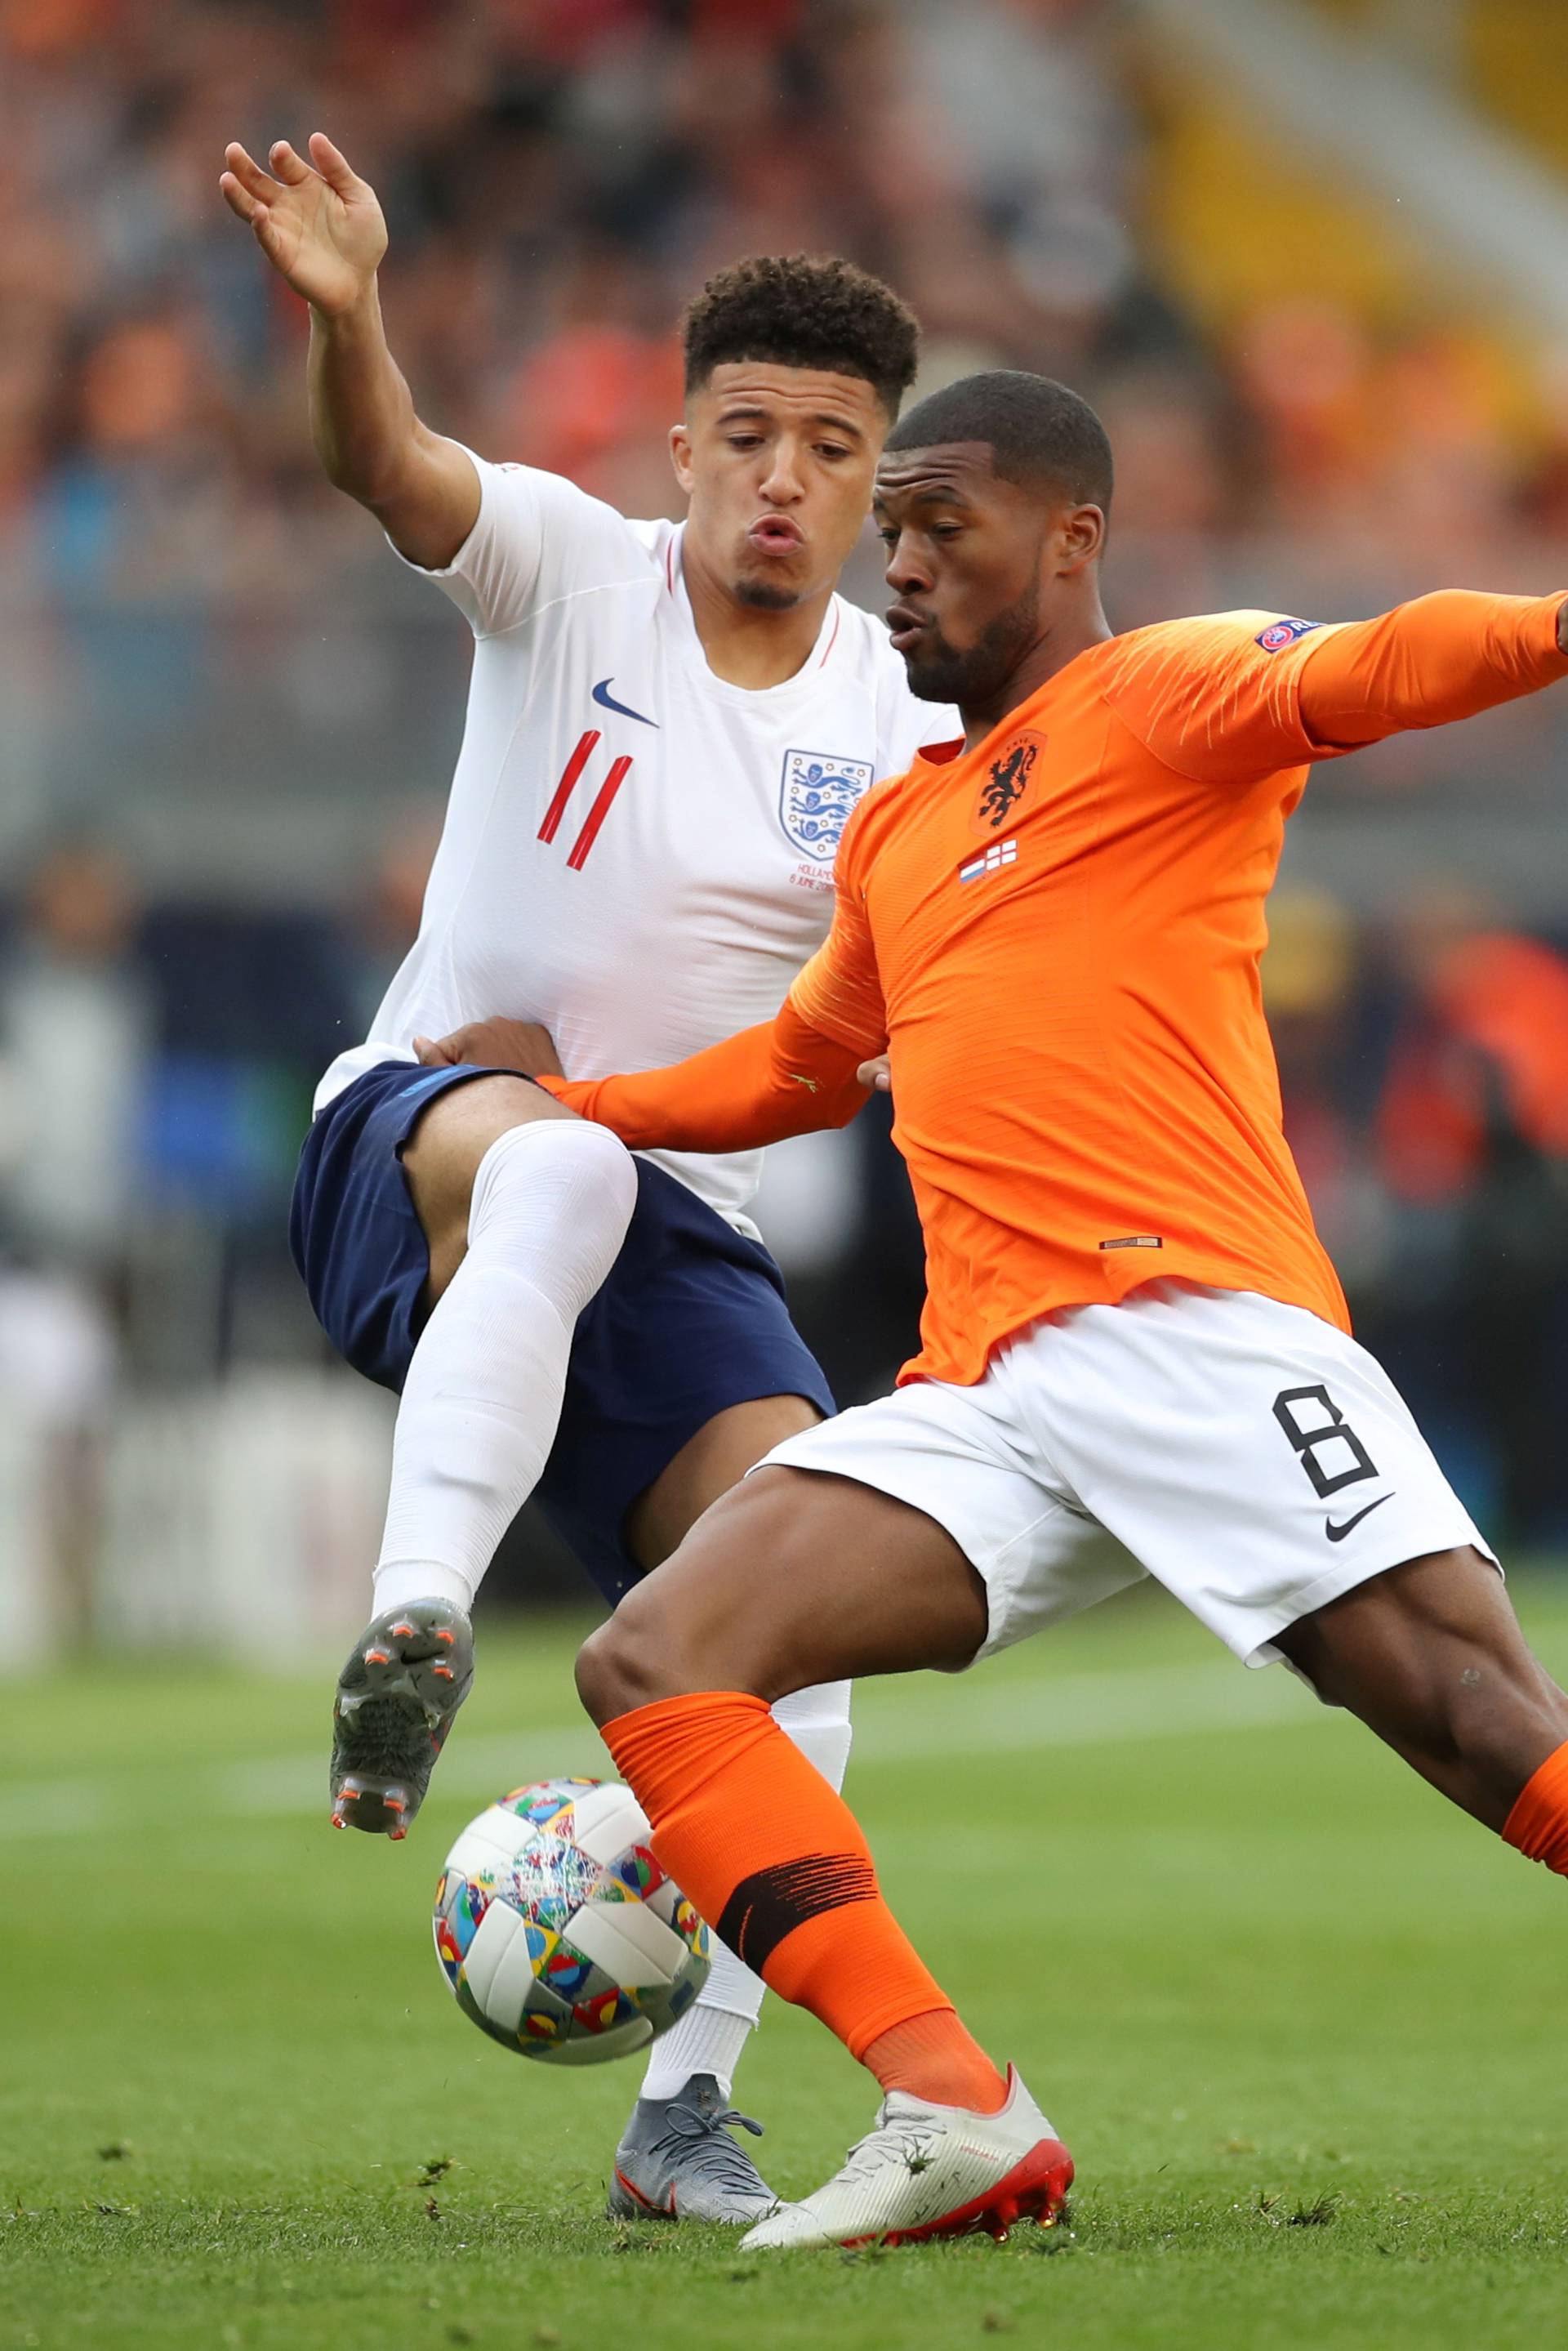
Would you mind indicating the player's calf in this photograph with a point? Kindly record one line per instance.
(680, 1682)
(1430, 1655)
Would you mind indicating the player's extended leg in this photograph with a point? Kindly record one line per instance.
(523, 1207)
(677, 2158)
(681, 1680)
(1430, 1655)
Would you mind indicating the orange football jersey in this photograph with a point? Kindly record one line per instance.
(1058, 935)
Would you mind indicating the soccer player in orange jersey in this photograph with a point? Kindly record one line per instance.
(1131, 1324)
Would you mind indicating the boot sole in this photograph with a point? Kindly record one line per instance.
(414, 1668)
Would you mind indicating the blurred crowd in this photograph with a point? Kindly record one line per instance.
(558, 175)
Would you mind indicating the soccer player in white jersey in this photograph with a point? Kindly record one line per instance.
(668, 725)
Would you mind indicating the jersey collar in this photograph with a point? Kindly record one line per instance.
(683, 629)
(1027, 713)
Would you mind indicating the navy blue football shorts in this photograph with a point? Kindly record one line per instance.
(691, 1320)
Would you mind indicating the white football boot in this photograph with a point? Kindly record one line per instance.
(933, 2171)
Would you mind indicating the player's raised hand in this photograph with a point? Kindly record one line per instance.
(322, 228)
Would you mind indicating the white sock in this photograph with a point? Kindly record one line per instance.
(710, 2036)
(552, 1200)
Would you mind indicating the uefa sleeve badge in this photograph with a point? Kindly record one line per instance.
(1281, 633)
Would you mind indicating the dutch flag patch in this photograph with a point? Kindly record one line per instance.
(991, 861)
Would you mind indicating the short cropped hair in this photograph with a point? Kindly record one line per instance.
(804, 310)
(1039, 432)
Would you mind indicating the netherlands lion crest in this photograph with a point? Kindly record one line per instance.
(1006, 781)
(817, 797)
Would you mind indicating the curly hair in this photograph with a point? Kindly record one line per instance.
(804, 310)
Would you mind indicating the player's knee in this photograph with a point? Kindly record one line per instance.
(604, 1167)
(586, 1178)
(456, 1134)
(589, 1158)
(586, 1162)
(623, 1666)
(603, 1174)
(667, 1638)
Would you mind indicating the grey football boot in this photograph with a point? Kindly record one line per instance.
(406, 1675)
(677, 2161)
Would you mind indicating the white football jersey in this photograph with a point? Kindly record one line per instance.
(635, 853)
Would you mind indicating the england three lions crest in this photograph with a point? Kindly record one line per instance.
(816, 796)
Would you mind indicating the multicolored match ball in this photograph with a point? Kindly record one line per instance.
(558, 1932)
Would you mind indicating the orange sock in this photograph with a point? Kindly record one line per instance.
(936, 2057)
(777, 1864)
(1538, 1824)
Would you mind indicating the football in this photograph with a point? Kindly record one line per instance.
(557, 1930)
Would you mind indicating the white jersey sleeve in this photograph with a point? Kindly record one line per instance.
(537, 538)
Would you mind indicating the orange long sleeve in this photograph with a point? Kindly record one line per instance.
(1231, 696)
(781, 1078)
(1425, 663)
(791, 1075)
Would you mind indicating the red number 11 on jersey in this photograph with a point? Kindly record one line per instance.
(570, 776)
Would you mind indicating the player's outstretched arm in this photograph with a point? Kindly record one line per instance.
(1443, 657)
(1222, 700)
(322, 229)
(780, 1079)
(792, 1075)
(736, 1079)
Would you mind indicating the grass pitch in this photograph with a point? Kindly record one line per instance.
(1302, 2025)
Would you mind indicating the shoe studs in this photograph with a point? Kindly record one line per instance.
(385, 1699)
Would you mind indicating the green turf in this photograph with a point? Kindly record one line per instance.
(1300, 2023)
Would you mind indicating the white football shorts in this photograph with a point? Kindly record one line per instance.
(1249, 1456)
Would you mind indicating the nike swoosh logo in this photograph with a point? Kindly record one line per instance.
(606, 701)
(1337, 1534)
